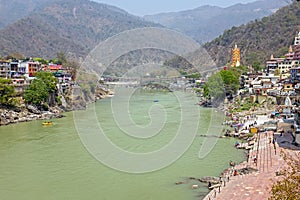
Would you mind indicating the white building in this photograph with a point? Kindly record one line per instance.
(29, 68)
(285, 66)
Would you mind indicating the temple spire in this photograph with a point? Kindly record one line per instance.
(236, 56)
(291, 49)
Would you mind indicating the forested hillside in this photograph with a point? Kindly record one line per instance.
(260, 38)
(13, 10)
(207, 22)
(71, 26)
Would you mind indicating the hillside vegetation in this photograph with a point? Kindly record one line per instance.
(208, 22)
(71, 26)
(13, 10)
(258, 39)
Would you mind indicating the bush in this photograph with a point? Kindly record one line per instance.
(7, 92)
(58, 100)
(288, 186)
(45, 106)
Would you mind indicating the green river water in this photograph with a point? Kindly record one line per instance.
(51, 163)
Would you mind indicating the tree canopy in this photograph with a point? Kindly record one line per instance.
(223, 82)
(230, 80)
(7, 92)
(40, 88)
(36, 93)
(49, 80)
(214, 87)
(41, 60)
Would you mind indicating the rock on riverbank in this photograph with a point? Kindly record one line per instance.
(10, 116)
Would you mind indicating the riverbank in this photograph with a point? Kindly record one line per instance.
(26, 114)
(255, 185)
(265, 161)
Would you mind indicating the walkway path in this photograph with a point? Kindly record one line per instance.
(256, 185)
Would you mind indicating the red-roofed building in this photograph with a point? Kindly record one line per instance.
(52, 67)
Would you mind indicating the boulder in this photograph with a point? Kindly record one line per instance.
(33, 109)
(4, 121)
(211, 179)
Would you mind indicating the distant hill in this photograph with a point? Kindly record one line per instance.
(208, 22)
(71, 26)
(13, 10)
(260, 38)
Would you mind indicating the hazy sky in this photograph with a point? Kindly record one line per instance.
(144, 7)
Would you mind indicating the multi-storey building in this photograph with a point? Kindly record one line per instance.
(14, 68)
(29, 68)
(295, 75)
(297, 47)
(4, 69)
(272, 65)
(8, 69)
(52, 67)
(20, 83)
(285, 66)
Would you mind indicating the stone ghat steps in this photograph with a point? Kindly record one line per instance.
(254, 185)
(264, 151)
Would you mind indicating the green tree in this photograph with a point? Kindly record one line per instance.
(288, 186)
(256, 66)
(230, 80)
(41, 60)
(214, 87)
(225, 82)
(40, 88)
(73, 66)
(238, 71)
(7, 92)
(49, 79)
(37, 92)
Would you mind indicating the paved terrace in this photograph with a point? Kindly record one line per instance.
(256, 185)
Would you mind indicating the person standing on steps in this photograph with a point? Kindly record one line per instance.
(274, 144)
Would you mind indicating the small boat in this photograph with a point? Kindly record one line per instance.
(47, 123)
(155, 101)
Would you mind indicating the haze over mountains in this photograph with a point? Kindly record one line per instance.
(41, 28)
(71, 26)
(207, 22)
(260, 39)
(13, 10)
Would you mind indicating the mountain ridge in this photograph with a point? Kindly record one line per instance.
(258, 39)
(71, 26)
(208, 22)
